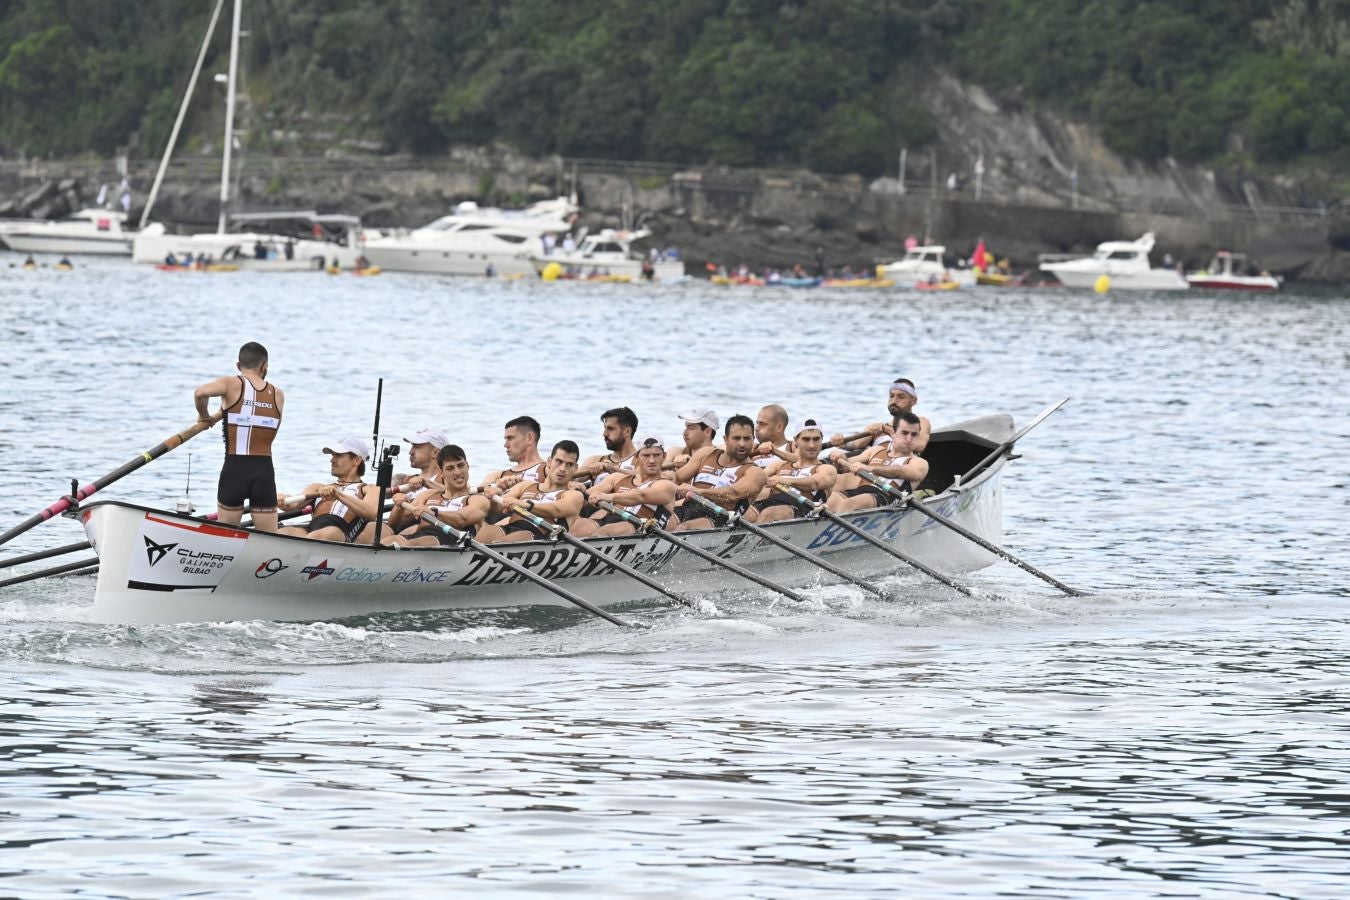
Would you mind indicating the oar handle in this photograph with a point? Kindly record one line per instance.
(883, 484)
(712, 507)
(637, 521)
(539, 522)
(848, 439)
(799, 498)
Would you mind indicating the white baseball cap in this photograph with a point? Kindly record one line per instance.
(349, 445)
(650, 440)
(430, 436)
(807, 425)
(701, 417)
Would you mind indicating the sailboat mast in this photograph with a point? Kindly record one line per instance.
(229, 118)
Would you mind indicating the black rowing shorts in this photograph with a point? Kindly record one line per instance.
(247, 478)
(350, 530)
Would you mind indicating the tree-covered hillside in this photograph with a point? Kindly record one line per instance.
(827, 84)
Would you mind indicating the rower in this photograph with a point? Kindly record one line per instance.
(808, 475)
(620, 425)
(645, 492)
(423, 448)
(896, 460)
(520, 438)
(700, 431)
(770, 431)
(553, 500)
(252, 410)
(726, 477)
(452, 501)
(900, 399)
(343, 507)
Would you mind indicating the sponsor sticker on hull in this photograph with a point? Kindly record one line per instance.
(170, 554)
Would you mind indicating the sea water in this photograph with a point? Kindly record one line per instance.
(1180, 731)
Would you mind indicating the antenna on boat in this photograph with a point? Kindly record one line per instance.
(184, 506)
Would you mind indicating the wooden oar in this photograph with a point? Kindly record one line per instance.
(44, 554)
(970, 535)
(1008, 444)
(650, 526)
(762, 532)
(68, 568)
(848, 439)
(560, 533)
(457, 535)
(153, 453)
(819, 509)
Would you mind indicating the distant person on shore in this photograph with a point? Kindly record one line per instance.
(911, 242)
(252, 410)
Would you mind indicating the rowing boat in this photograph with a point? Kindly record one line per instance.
(161, 566)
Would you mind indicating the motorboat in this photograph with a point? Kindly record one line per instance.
(90, 231)
(920, 264)
(1226, 272)
(314, 242)
(609, 253)
(158, 565)
(473, 240)
(1124, 263)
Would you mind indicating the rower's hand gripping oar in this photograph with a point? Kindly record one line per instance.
(739, 521)
(820, 510)
(969, 535)
(650, 526)
(560, 533)
(150, 455)
(464, 539)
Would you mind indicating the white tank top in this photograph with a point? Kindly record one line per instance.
(770, 458)
(718, 476)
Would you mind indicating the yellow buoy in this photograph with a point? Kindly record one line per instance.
(1102, 284)
(551, 272)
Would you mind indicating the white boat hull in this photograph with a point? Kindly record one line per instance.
(1150, 280)
(38, 240)
(402, 257)
(151, 248)
(1234, 282)
(157, 566)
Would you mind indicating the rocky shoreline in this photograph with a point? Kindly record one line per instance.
(725, 217)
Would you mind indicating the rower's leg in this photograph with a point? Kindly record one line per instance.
(229, 514)
(328, 533)
(584, 527)
(615, 529)
(775, 513)
(264, 519)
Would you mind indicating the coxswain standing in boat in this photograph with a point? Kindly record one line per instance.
(646, 492)
(520, 438)
(620, 424)
(423, 448)
(700, 432)
(554, 500)
(452, 501)
(727, 477)
(771, 432)
(896, 460)
(252, 410)
(901, 398)
(809, 475)
(343, 508)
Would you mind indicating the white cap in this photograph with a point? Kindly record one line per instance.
(650, 440)
(349, 445)
(430, 436)
(701, 417)
(806, 425)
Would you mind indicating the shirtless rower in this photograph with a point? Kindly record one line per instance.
(520, 438)
(422, 449)
(700, 431)
(901, 399)
(620, 425)
(646, 492)
(343, 507)
(895, 461)
(726, 477)
(770, 431)
(553, 501)
(252, 409)
(452, 501)
(809, 475)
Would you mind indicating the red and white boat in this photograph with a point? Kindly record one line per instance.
(1225, 273)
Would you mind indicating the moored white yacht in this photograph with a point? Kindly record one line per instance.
(923, 264)
(1125, 263)
(1226, 273)
(93, 230)
(609, 253)
(472, 240)
(331, 240)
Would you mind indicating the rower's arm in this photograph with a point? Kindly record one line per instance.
(661, 493)
(822, 479)
(592, 467)
(686, 473)
(367, 505)
(915, 470)
(565, 507)
(746, 487)
(925, 429)
(217, 387)
(470, 515)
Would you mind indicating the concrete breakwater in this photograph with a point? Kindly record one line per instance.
(724, 216)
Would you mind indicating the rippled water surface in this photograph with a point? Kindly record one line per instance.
(1181, 731)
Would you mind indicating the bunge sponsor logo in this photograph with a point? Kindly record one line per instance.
(885, 525)
(269, 568)
(155, 552)
(318, 569)
(417, 576)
